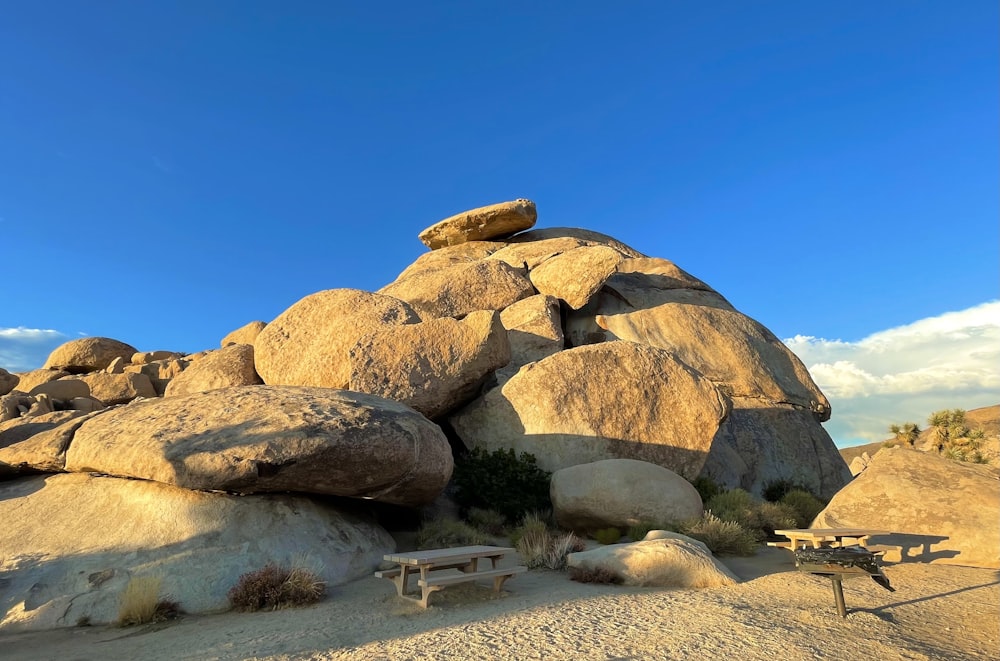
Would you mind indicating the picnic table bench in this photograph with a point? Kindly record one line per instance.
(464, 559)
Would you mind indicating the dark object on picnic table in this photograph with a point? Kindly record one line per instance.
(845, 560)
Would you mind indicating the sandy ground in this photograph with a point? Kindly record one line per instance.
(937, 612)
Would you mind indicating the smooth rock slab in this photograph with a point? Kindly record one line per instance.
(482, 224)
(603, 401)
(72, 542)
(254, 439)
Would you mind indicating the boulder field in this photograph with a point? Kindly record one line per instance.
(561, 342)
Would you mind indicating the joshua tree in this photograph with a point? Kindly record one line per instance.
(906, 434)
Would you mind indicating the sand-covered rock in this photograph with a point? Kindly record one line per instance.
(658, 562)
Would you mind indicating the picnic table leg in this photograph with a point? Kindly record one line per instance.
(838, 595)
(400, 581)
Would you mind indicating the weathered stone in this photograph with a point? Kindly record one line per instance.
(87, 354)
(657, 563)
(533, 330)
(99, 532)
(14, 404)
(577, 275)
(146, 357)
(85, 404)
(116, 366)
(43, 404)
(532, 253)
(38, 444)
(482, 224)
(434, 366)
(244, 334)
(160, 372)
(28, 380)
(8, 381)
(604, 401)
(939, 511)
(728, 347)
(114, 389)
(763, 442)
(271, 438)
(462, 253)
(232, 365)
(455, 291)
(859, 463)
(63, 389)
(308, 344)
(589, 236)
(621, 493)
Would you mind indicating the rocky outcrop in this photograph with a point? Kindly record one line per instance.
(37, 444)
(674, 563)
(27, 381)
(88, 354)
(534, 332)
(309, 343)
(113, 389)
(255, 439)
(8, 381)
(100, 532)
(434, 366)
(230, 366)
(482, 224)
(457, 290)
(244, 334)
(621, 493)
(938, 510)
(616, 399)
(575, 276)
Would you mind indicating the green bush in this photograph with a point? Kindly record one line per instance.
(706, 487)
(608, 535)
(532, 524)
(734, 505)
(444, 533)
(638, 532)
(511, 484)
(721, 537)
(490, 522)
(806, 506)
(775, 489)
(776, 516)
(272, 587)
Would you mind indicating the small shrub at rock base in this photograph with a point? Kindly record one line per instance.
(272, 587)
(490, 522)
(608, 535)
(141, 603)
(805, 505)
(595, 575)
(706, 487)
(638, 532)
(442, 533)
(532, 523)
(721, 537)
(776, 516)
(510, 483)
(540, 548)
(775, 489)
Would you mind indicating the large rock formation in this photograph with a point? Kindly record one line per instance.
(71, 543)
(88, 354)
(268, 438)
(939, 510)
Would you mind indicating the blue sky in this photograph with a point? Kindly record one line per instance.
(172, 171)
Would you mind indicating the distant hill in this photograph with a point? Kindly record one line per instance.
(986, 418)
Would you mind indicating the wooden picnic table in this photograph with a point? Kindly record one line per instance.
(825, 537)
(464, 559)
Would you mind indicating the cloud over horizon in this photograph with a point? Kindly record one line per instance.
(23, 349)
(906, 373)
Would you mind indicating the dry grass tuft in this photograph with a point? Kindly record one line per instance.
(141, 602)
(594, 575)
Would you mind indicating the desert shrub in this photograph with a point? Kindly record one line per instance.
(731, 505)
(775, 489)
(490, 522)
(533, 523)
(443, 533)
(706, 487)
(539, 547)
(608, 535)
(141, 602)
(806, 506)
(721, 537)
(272, 587)
(502, 480)
(595, 575)
(776, 516)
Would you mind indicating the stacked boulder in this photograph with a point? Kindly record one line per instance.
(561, 342)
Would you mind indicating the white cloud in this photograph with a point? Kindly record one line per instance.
(904, 374)
(23, 349)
